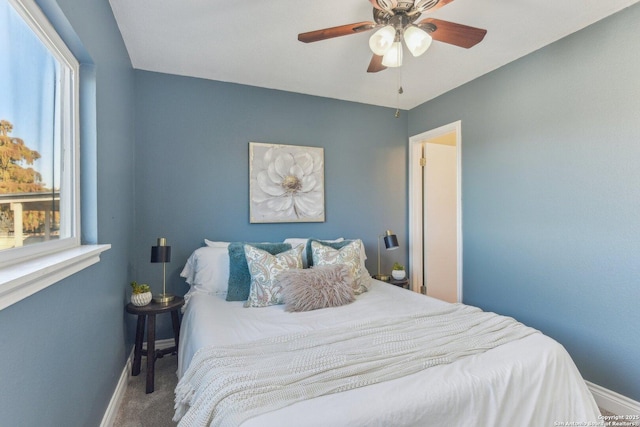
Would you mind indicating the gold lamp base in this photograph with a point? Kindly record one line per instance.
(163, 298)
(382, 277)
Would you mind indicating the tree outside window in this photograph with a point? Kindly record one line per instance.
(20, 181)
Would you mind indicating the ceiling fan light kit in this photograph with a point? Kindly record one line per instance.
(393, 57)
(417, 40)
(380, 42)
(386, 43)
(395, 21)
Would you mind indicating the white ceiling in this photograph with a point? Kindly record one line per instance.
(255, 43)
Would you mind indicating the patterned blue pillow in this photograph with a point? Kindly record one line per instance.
(239, 276)
(349, 255)
(332, 244)
(265, 268)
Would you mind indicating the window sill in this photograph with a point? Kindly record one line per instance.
(19, 281)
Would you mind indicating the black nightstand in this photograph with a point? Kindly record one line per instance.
(403, 283)
(150, 310)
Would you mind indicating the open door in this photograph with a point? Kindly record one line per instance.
(435, 229)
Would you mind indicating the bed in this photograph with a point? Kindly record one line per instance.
(521, 377)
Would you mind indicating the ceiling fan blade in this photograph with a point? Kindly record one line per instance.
(452, 33)
(342, 30)
(376, 64)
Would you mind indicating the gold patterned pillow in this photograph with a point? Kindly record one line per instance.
(349, 255)
(264, 268)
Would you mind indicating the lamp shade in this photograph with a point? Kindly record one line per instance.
(393, 57)
(417, 40)
(380, 42)
(161, 252)
(390, 240)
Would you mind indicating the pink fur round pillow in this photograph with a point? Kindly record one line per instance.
(317, 287)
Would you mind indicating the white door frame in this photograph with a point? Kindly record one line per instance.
(415, 201)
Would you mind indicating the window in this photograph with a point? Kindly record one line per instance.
(38, 136)
(39, 156)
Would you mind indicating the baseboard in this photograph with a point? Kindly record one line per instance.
(116, 399)
(612, 401)
(112, 410)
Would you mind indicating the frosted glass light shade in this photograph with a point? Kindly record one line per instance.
(393, 58)
(417, 40)
(380, 42)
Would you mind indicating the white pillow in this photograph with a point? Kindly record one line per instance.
(213, 244)
(207, 269)
(295, 241)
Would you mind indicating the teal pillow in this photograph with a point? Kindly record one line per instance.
(239, 276)
(334, 245)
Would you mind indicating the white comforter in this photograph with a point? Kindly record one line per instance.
(528, 382)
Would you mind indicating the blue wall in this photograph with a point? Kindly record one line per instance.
(192, 169)
(62, 350)
(551, 193)
(550, 200)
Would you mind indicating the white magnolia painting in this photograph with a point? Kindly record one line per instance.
(286, 183)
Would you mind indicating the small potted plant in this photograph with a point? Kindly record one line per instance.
(398, 271)
(140, 294)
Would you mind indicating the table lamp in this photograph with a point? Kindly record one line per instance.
(162, 253)
(390, 243)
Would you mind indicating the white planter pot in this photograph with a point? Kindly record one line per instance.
(141, 299)
(398, 274)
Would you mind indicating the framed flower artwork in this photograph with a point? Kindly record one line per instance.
(286, 183)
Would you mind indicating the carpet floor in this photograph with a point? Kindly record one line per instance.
(139, 409)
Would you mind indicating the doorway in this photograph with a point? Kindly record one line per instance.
(435, 223)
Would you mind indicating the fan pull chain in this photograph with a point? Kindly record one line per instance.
(400, 92)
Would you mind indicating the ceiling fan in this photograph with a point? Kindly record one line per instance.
(395, 21)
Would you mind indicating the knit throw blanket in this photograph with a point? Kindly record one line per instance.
(226, 385)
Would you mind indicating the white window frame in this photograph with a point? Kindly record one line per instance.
(28, 269)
